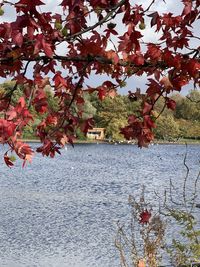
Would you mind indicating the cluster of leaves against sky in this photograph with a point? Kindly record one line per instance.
(31, 42)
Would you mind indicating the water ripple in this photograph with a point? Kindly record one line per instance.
(63, 212)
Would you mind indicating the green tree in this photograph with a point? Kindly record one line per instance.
(167, 128)
(189, 129)
(112, 115)
(188, 107)
(89, 110)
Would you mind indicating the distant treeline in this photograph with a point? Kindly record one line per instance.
(112, 114)
(183, 122)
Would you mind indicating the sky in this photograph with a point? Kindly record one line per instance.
(148, 35)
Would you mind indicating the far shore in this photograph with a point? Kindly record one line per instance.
(156, 142)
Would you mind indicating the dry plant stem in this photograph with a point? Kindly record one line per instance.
(186, 178)
(185, 209)
(171, 188)
(146, 244)
(120, 247)
(195, 191)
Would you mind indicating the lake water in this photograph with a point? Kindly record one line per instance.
(62, 212)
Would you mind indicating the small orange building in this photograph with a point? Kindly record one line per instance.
(96, 134)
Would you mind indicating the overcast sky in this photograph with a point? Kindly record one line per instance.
(148, 34)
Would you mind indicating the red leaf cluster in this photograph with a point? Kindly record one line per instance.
(7, 130)
(145, 216)
(108, 38)
(140, 130)
(7, 160)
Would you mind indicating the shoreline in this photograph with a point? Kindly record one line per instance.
(156, 142)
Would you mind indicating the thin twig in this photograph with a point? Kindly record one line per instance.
(102, 21)
(186, 177)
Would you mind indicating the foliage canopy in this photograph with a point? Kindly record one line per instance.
(87, 38)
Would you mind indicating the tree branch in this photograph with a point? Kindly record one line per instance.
(86, 59)
(102, 21)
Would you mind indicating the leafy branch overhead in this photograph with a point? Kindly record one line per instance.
(64, 50)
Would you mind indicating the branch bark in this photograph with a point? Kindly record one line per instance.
(86, 59)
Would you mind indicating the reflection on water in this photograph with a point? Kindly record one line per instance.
(63, 212)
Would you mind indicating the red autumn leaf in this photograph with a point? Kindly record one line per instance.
(18, 39)
(145, 216)
(22, 102)
(132, 119)
(24, 151)
(42, 44)
(154, 52)
(106, 89)
(145, 137)
(128, 132)
(101, 92)
(146, 108)
(149, 122)
(64, 140)
(40, 101)
(133, 130)
(171, 104)
(108, 84)
(46, 147)
(153, 88)
(30, 32)
(38, 44)
(7, 160)
(137, 58)
(166, 83)
(28, 5)
(113, 56)
(51, 120)
(7, 129)
(155, 17)
(179, 82)
(187, 7)
(88, 124)
(80, 100)
(109, 31)
(193, 67)
(47, 48)
(11, 114)
(32, 3)
(41, 105)
(59, 80)
(112, 93)
(65, 3)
